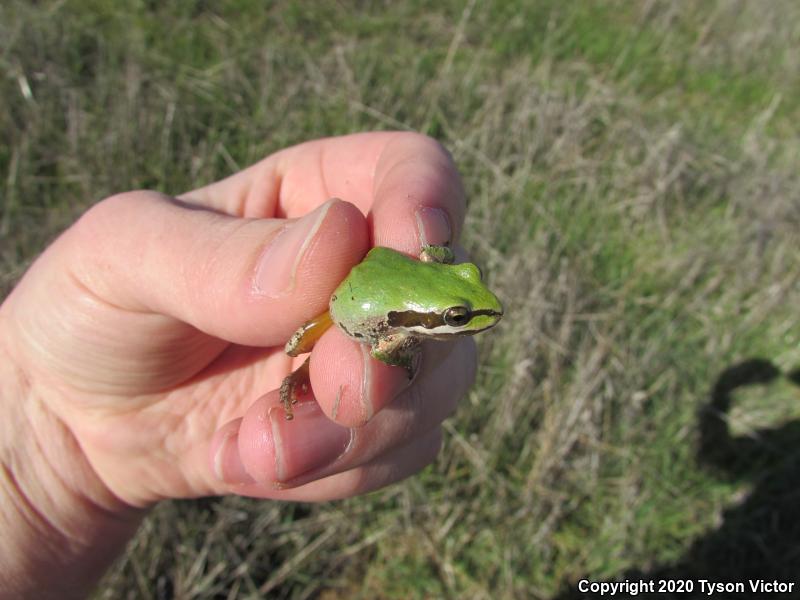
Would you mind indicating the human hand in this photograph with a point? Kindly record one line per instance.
(138, 344)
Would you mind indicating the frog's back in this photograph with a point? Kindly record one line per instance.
(389, 290)
(384, 264)
(382, 282)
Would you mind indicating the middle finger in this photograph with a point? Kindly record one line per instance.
(292, 453)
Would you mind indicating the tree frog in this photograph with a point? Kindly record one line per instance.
(392, 303)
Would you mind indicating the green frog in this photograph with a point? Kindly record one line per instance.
(392, 303)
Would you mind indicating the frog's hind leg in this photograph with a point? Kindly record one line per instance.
(298, 378)
(303, 339)
(301, 342)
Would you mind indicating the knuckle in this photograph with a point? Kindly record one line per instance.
(99, 216)
(426, 140)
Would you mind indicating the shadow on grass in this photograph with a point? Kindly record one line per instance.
(759, 539)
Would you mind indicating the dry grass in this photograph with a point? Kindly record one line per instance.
(634, 199)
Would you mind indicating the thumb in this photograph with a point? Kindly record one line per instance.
(247, 281)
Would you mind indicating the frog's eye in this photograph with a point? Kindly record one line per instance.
(456, 316)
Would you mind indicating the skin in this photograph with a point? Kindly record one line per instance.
(141, 353)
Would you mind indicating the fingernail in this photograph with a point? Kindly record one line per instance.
(228, 466)
(380, 390)
(433, 226)
(308, 442)
(278, 264)
(367, 394)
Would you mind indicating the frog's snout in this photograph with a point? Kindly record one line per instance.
(498, 310)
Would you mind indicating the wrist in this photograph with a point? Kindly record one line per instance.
(61, 526)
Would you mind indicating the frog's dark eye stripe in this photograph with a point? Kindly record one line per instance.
(409, 318)
(455, 316)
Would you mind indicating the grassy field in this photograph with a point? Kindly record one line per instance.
(634, 197)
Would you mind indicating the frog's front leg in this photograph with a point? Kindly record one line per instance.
(439, 254)
(399, 350)
(301, 342)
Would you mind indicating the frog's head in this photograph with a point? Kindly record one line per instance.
(456, 302)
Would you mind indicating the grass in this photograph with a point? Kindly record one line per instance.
(631, 170)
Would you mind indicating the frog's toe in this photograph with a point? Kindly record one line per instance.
(300, 378)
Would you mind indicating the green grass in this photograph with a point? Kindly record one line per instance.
(631, 170)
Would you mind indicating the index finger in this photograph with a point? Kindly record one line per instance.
(406, 182)
(418, 195)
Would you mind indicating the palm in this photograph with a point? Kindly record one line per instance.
(156, 388)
